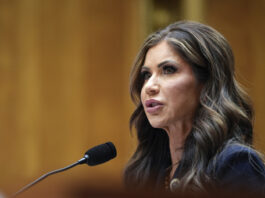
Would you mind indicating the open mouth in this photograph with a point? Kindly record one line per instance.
(152, 103)
(153, 106)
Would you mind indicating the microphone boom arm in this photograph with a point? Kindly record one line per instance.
(94, 156)
(81, 161)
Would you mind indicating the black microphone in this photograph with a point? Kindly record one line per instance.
(94, 156)
(99, 154)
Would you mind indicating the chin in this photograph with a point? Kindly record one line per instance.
(156, 124)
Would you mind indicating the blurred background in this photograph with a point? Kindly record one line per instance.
(64, 72)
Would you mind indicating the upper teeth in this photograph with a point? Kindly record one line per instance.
(154, 104)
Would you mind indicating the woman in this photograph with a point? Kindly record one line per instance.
(193, 120)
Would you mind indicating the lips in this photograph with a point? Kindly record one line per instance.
(153, 106)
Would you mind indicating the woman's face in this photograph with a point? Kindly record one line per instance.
(170, 92)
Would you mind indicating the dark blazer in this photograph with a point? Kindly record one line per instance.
(239, 168)
(236, 168)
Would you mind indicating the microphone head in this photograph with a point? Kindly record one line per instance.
(100, 154)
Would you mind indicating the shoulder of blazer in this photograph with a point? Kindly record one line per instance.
(238, 166)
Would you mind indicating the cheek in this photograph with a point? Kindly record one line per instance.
(183, 92)
(178, 86)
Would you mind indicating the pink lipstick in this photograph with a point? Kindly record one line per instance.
(153, 106)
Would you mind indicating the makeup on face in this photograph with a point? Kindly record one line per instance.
(170, 91)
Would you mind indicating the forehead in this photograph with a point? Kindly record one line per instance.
(159, 53)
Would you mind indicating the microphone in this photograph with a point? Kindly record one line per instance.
(94, 156)
(99, 154)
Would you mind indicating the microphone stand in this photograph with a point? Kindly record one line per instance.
(100, 154)
(81, 161)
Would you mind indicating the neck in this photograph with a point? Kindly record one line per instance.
(177, 134)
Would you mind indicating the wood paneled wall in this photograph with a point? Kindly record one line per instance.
(64, 70)
(242, 23)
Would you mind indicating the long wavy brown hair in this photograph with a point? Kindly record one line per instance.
(224, 115)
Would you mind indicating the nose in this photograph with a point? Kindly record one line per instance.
(152, 86)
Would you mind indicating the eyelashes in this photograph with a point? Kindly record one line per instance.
(166, 69)
(145, 75)
(169, 69)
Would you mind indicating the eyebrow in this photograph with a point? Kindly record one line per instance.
(161, 64)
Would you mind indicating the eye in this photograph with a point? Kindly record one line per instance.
(145, 75)
(169, 69)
